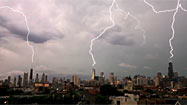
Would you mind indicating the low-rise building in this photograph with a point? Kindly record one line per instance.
(127, 99)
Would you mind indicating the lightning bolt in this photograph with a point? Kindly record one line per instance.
(128, 14)
(175, 10)
(138, 26)
(26, 23)
(107, 28)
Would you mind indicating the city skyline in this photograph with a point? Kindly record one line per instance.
(61, 39)
(44, 77)
(138, 89)
(170, 71)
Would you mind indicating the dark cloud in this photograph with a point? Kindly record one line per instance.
(22, 33)
(121, 40)
(117, 36)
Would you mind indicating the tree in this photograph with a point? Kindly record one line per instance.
(99, 99)
(108, 90)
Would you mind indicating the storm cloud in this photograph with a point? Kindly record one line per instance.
(61, 31)
(22, 33)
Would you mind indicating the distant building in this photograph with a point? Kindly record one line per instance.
(159, 75)
(14, 81)
(93, 74)
(140, 80)
(46, 79)
(37, 78)
(19, 83)
(31, 76)
(55, 81)
(178, 85)
(127, 83)
(75, 80)
(170, 71)
(43, 78)
(25, 79)
(157, 81)
(9, 79)
(176, 74)
(1, 83)
(102, 74)
(6, 83)
(111, 78)
(41, 84)
(102, 78)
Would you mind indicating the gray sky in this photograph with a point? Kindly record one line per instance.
(61, 31)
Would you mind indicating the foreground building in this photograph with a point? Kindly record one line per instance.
(127, 99)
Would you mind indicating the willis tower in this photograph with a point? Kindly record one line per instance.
(170, 71)
(31, 76)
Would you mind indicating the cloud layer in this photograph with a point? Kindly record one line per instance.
(61, 31)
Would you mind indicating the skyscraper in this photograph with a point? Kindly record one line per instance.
(156, 81)
(111, 78)
(159, 75)
(170, 71)
(43, 78)
(46, 79)
(9, 79)
(37, 78)
(140, 80)
(14, 81)
(31, 76)
(19, 81)
(25, 79)
(102, 78)
(75, 80)
(93, 74)
(55, 80)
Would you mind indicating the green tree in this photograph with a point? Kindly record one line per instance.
(108, 90)
(99, 99)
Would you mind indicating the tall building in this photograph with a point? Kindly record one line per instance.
(55, 80)
(170, 71)
(31, 76)
(14, 81)
(158, 78)
(140, 80)
(159, 75)
(46, 79)
(25, 79)
(19, 81)
(37, 78)
(75, 80)
(111, 78)
(9, 79)
(102, 78)
(43, 78)
(156, 81)
(102, 74)
(93, 74)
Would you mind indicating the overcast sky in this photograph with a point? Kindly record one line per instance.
(61, 31)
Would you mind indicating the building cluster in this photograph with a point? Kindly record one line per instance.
(25, 81)
(141, 89)
(171, 81)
